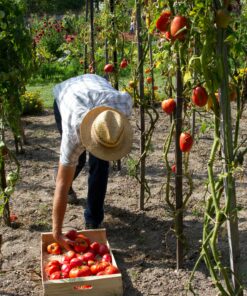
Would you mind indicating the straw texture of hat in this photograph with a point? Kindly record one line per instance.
(106, 133)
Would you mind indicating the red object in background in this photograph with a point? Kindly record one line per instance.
(168, 105)
(123, 64)
(185, 142)
(109, 68)
(163, 21)
(199, 96)
(174, 169)
(177, 24)
(13, 217)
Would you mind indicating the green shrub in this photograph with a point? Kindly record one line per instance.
(31, 103)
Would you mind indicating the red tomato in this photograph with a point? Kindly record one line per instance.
(94, 246)
(65, 268)
(54, 249)
(109, 68)
(149, 79)
(97, 267)
(106, 258)
(51, 269)
(71, 234)
(111, 270)
(199, 96)
(174, 169)
(69, 255)
(103, 265)
(178, 23)
(103, 249)
(168, 105)
(88, 256)
(185, 142)
(53, 262)
(80, 271)
(163, 21)
(123, 64)
(81, 243)
(75, 262)
(94, 268)
(90, 263)
(64, 260)
(56, 275)
(147, 70)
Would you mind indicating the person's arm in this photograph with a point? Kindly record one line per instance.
(63, 182)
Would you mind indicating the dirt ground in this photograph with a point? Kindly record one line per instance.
(142, 241)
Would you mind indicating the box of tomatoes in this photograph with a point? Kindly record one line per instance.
(89, 269)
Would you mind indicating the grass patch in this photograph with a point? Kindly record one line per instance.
(46, 92)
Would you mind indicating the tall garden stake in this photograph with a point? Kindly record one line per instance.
(92, 36)
(85, 47)
(150, 38)
(115, 60)
(141, 92)
(228, 160)
(179, 170)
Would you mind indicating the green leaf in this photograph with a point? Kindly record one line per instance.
(2, 14)
(3, 35)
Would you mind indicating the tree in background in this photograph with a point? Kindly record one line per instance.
(53, 6)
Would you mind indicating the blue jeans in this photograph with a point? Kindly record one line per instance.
(97, 180)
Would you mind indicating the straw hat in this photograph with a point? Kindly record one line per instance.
(106, 133)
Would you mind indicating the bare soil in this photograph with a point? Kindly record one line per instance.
(143, 242)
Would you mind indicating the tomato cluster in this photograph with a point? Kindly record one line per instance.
(87, 259)
(109, 68)
(173, 28)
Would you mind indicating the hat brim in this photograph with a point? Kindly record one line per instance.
(97, 149)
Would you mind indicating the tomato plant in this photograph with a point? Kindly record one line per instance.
(17, 65)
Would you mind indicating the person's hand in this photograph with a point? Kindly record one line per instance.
(63, 241)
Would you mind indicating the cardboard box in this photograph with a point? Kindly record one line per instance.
(108, 285)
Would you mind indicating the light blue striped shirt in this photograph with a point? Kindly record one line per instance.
(75, 97)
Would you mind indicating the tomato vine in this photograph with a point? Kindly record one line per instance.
(16, 65)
